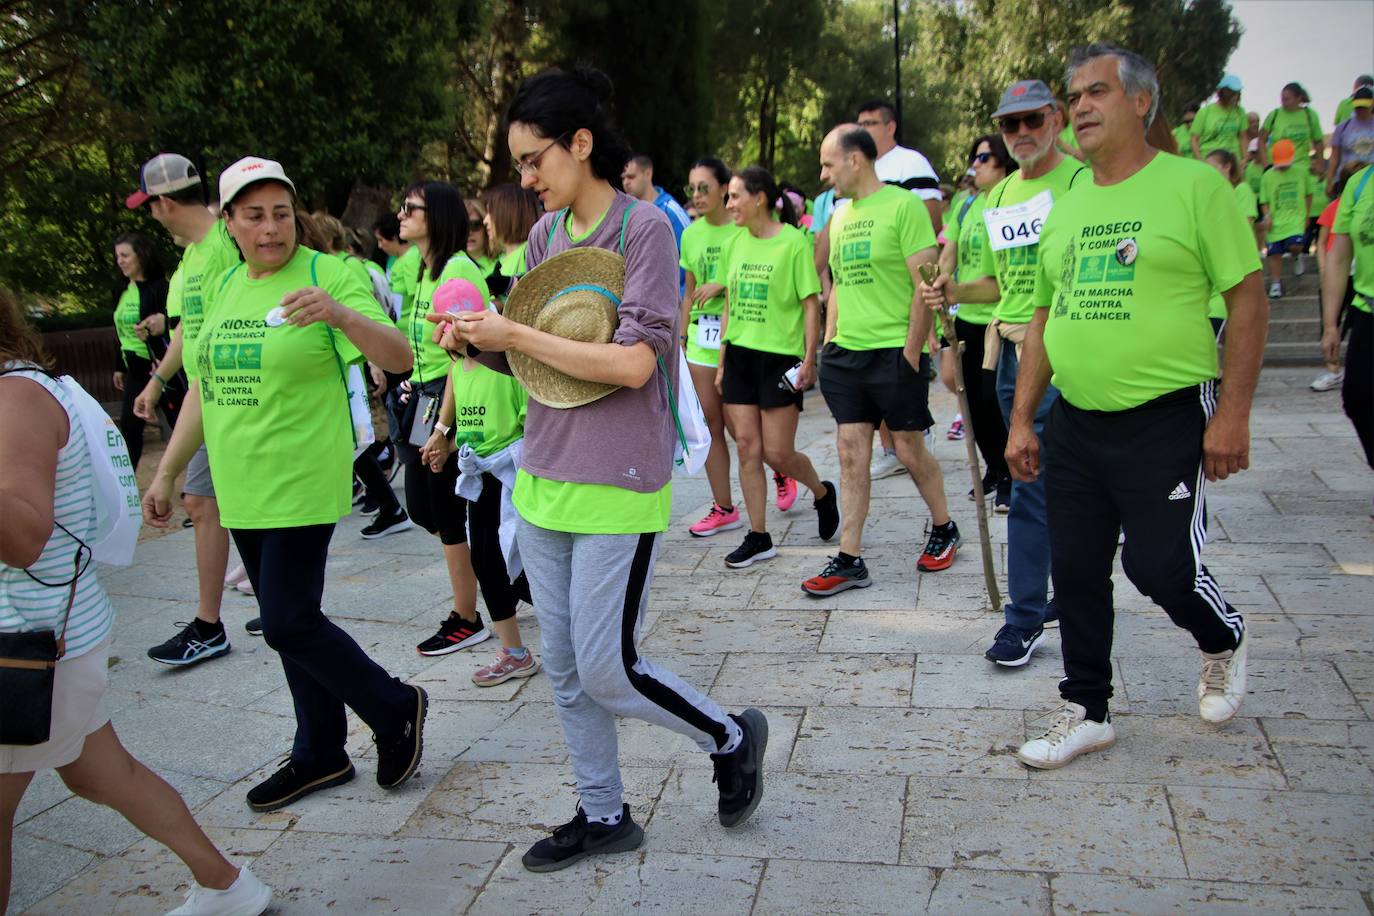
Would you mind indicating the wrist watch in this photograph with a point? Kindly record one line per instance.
(445, 431)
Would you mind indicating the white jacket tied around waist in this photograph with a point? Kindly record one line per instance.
(502, 465)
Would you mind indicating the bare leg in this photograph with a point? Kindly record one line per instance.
(885, 437)
(780, 449)
(856, 450)
(718, 458)
(107, 774)
(212, 554)
(508, 631)
(747, 427)
(925, 470)
(463, 580)
(12, 786)
(1275, 267)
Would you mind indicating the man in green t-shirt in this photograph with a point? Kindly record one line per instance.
(1128, 262)
(1028, 118)
(174, 193)
(872, 367)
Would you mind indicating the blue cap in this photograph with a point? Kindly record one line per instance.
(1230, 81)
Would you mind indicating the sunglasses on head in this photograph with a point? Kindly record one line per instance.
(1010, 124)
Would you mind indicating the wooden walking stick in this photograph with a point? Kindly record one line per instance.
(929, 273)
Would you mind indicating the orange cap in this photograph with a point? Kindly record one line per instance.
(1282, 152)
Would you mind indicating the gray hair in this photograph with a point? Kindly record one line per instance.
(1137, 74)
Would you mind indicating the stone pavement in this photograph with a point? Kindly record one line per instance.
(891, 785)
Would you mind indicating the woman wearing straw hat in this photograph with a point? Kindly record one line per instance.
(592, 332)
(274, 416)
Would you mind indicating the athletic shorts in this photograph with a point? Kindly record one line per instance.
(78, 709)
(698, 355)
(752, 377)
(873, 386)
(198, 480)
(1288, 244)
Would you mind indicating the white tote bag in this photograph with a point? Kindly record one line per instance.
(119, 512)
(693, 435)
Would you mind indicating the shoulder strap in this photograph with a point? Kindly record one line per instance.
(963, 211)
(1359, 188)
(624, 221)
(1074, 177)
(1314, 123)
(672, 404)
(553, 228)
(233, 270)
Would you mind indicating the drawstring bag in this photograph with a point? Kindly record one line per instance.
(693, 435)
(355, 389)
(118, 509)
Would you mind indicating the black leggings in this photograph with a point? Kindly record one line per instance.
(484, 518)
(430, 499)
(369, 470)
(1357, 391)
(325, 668)
(989, 429)
(137, 371)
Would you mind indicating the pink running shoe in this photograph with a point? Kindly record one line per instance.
(504, 668)
(716, 521)
(956, 429)
(787, 491)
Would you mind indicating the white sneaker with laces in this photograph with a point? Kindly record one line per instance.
(1221, 689)
(1070, 734)
(1276, 290)
(1299, 268)
(247, 896)
(1328, 381)
(885, 465)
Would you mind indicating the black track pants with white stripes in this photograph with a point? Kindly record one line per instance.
(1138, 471)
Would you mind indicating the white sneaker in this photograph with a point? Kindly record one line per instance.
(247, 896)
(235, 576)
(1222, 685)
(1328, 381)
(1299, 268)
(885, 465)
(1276, 290)
(1070, 734)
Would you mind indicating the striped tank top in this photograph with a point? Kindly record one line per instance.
(27, 606)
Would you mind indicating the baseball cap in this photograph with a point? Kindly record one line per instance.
(1230, 81)
(249, 170)
(1027, 95)
(1282, 152)
(165, 173)
(1363, 98)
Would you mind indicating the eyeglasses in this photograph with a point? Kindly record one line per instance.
(408, 208)
(702, 189)
(981, 158)
(1012, 123)
(530, 164)
(871, 122)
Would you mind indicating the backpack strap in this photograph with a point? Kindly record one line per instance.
(1359, 188)
(625, 221)
(963, 211)
(672, 405)
(553, 228)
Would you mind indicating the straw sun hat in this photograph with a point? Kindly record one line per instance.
(574, 295)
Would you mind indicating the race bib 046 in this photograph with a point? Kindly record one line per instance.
(1018, 225)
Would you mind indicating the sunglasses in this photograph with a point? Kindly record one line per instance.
(408, 208)
(1012, 123)
(981, 158)
(702, 189)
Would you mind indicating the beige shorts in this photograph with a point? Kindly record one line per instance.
(78, 709)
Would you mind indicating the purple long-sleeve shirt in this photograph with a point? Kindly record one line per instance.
(626, 438)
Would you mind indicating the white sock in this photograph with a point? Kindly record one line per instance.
(610, 820)
(736, 737)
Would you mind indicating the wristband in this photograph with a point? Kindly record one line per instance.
(161, 381)
(443, 430)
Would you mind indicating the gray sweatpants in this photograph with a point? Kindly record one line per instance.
(590, 592)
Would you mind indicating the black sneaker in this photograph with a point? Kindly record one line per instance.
(1001, 503)
(455, 633)
(383, 525)
(828, 512)
(254, 626)
(758, 545)
(1012, 646)
(359, 493)
(739, 775)
(398, 756)
(940, 549)
(369, 506)
(194, 642)
(295, 781)
(577, 839)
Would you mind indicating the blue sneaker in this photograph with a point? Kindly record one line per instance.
(1012, 646)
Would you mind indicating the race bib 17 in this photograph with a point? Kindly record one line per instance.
(708, 332)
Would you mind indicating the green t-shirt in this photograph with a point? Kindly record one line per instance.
(431, 360)
(1303, 127)
(1355, 218)
(125, 317)
(705, 249)
(1067, 138)
(768, 279)
(1284, 193)
(1249, 208)
(1183, 137)
(1317, 188)
(277, 424)
(1126, 272)
(488, 408)
(870, 241)
(1015, 268)
(1219, 128)
(513, 262)
(1344, 111)
(401, 277)
(175, 290)
(1253, 174)
(203, 264)
(590, 508)
(972, 238)
(484, 263)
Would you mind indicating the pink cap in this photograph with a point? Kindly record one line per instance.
(458, 295)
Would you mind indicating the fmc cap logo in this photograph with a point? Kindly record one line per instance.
(1018, 90)
(251, 166)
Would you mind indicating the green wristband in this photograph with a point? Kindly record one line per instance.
(162, 381)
